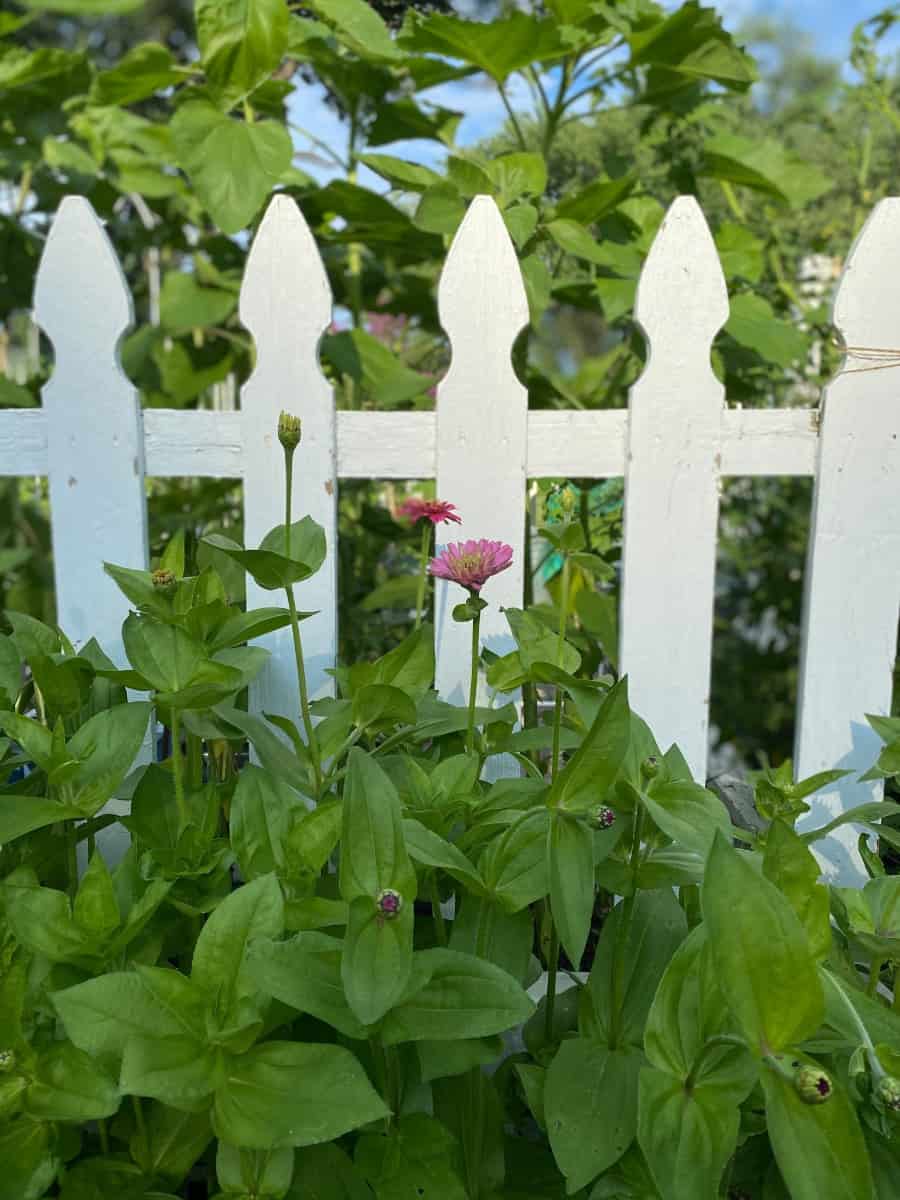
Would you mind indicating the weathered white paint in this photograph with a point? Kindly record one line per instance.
(95, 444)
(672, 486)
(853, 570)
(286, 305)
(482, 413)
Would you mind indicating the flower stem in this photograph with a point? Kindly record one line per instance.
(423, 570)
(440, 925)
(874, 975)
(141, 1123)
(178, 770)
(553, 957)
(552, 969)
(473, 682)
(617, 975)
(295, 627)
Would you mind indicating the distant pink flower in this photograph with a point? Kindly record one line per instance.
(434, 511)
(471, 564)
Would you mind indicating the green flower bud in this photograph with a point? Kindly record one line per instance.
(289, 431)
(163, 579)
(7, 1061)
(601, 817)
(813, 1085)
(650, 767)
(389, 903)
(887, 1090)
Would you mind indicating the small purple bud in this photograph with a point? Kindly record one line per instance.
(602, 817)
(813, 1085)
(389, 903)
(887, 1091)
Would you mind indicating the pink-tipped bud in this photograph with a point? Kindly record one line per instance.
(813, 1086)
(389, 903)
(602, 817)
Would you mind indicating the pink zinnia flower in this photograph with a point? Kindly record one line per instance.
(434, 511)
(471, 564)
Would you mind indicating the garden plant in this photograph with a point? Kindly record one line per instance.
(370, 960)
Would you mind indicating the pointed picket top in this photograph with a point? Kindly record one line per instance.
(852, 583)
(682, 300)
(79, 276)
(286, 305)
(482, 415)
(481, 280)
(284, 235)
(875, 255)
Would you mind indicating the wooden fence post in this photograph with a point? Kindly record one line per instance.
(853, 568)
(672, 486)
(286, 305)
(482, 413)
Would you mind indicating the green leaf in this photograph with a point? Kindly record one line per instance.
(244, 626)
(589, 773)
(69, 1086)
(377, 369)
(590, 1105)
(290, 1094)
(175, 1140)
(516, 175)
(84, 8)
(219, 967)
(691, 45)
(687, 1137)
(498, 48)
(482, 927)
(24, 814)
(819, 1148)
(764, 166)
(144, 70)
(595, 201)
(96, 908)
(185, 304)
(378, 705)
(262, 812)
(408, 176)
(305, 973)
(438, 1060)
(29, 1165)
(41, 920)
(570, 866)
(241, 43)
(462, 997)
(793, 868)
(270, 565)
(753, 324)
(429, 848)
(264, 1173)
(740, 252)
(359, 27)
(762, 956)
(687, 813)
(11, 671)
(233, 165)
(514, 865)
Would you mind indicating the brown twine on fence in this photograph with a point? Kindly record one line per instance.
(882, 357)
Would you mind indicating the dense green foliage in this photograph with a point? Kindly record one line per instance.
(258, 986)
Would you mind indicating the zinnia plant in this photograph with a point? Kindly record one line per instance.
(431, 513)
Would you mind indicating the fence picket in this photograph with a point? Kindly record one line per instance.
(95, 440)
(853, 567)
(286, 305)
(482, 412)
(672, 486)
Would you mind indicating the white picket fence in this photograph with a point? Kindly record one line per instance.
(481, 444)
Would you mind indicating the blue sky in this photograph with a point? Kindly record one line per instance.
(829, 22)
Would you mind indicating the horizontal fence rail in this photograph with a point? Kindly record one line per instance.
(673, 445)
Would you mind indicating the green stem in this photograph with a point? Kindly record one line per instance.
(91, 840)
(863, 1033)
(104, 1135)
(295, 627)
(178, 770)
(552, 969)
(195, 760)
(733, 202)
(874, 975)
(423, 570)
(622, 931)
(71, 857)
(513, 119)
(440, 925)
(473, 683)
(141, 1123)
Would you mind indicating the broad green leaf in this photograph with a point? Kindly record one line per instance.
(163, 654)
(263, 810)
(376, 959)
(589, 773)
(764, 166)
(145, 69)
(596, 200)
(463, 997)
(305, 972)
(689, 45)
(325, 1172)
(514, 866)
(219, 965)
(440, 210)
(314, 836)
(439, 1060)
(382, 706)
(69, 1086)
(179, 1071)
(271, 566)
(621, 991)
(359, 27)
(429, 848)
(753, 324)
(687, 1137)
(232, 164)
(419, 1158)
(374, 367)
(590, 1105)
(241, 43)
(820, 1149)
(570, 867)
(761, 953)
(41, 920)
(175, 1140)
(186, 304)
(23, 814)
(481, 927)
(407, 176)
(243, 627)
(264, 1172)
(29, 1163)
(687, 813)
(84, 8)
(290, 1094)
(498, 48)
(740, 252)
(96, 908)
(792, 867)
(11, 671)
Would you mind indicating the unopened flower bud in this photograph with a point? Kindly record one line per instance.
(887, 1090)
(813, 1085)
(7, 1061)
(389, 903)
(163, 579)
(650, 767)
(289, 431)
(601, 817)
